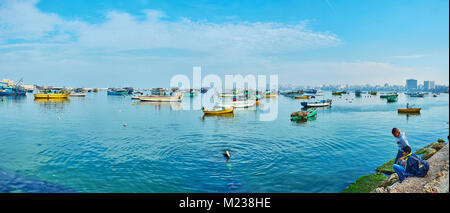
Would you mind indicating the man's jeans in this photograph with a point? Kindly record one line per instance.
(401, 172)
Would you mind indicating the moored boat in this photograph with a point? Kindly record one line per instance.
(302, 97)
(113, 91)
(160, 95)
(52, 94)
(392, 98)
(336, 93)
(78, 94)
(373, 92)
(218, 110)
(409, 110)
(358, 93)
(7, 90)
(321, 103)
(303, 116)
(237, 104)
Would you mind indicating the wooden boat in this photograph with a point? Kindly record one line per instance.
(237, 104)
(7, 90)
(78, 94)
(310, 91)
(373, 92)
(271, 95)
(336, 93)
(409, 110)
(302, 97)
(417, 95)
(117, 92)
(303, 116)
(391, 99)
(218, 110)
(160, 95)
(321, 103)
(48, 95)
(387, 95)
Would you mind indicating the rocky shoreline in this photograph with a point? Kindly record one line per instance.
(436, 181)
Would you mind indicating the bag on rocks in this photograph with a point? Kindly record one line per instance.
(423, 170)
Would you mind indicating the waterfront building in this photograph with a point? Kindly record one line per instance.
(411, 84)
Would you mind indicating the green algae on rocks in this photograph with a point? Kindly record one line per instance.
(365, 184)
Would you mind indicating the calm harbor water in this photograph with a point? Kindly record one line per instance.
(81, 145)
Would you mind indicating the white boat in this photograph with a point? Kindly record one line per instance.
(237, 104)
(160, 95)
(321, 103)
(78, 94)
(135, 97)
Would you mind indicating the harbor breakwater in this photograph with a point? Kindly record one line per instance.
(385, 180)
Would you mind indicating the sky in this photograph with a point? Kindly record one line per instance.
(143, 43)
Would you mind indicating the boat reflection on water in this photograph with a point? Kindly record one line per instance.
(56, 105)
(13, 99)
(219, 116)
(159, 105)
(409, 114)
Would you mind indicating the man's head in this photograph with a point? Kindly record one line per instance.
(395, 132)
(406, 150)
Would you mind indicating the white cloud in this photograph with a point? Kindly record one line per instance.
(408, 56)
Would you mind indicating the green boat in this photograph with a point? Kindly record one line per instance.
(304, 116)
(388, 94)
(392, 98)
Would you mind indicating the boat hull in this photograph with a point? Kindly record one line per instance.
(412, 110)
(51, 96)
(302, 97)
(161, 98)
(219, 112)
(237, 104)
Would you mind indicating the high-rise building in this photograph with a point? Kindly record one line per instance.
(411, 84)
(428, 85)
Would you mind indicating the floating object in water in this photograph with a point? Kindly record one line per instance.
(218, 110)
(321, 103)
(409, 110)
(125, 125)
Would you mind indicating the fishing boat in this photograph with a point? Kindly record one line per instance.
(237, 104)
(391, 99)
(387, 95)
(417, 95)
(160, 95)
(310, 91)
(52, 94)
(302, 97)
(373, 92)
(135, 97)
(192, 92)
(218, 110)
(358, 93)
(303, 116)
(203, 90)
(113, 91)
(409, 110)
(7, 90)
(77, 94)
(320, 103)
(336, 93)
(271, 94)
(129, 90)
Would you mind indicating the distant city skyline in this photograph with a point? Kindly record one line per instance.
(144, 43)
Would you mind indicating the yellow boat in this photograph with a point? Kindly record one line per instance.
(410, 110)
(51, 95)
(302, 97)
(273, 95)
(218, 111)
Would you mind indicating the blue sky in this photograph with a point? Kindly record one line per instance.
(144, 43)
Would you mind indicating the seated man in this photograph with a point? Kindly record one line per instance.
(409, 165)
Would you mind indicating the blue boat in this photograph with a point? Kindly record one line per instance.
(310, 91)
(7, 90)
(117, 92)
